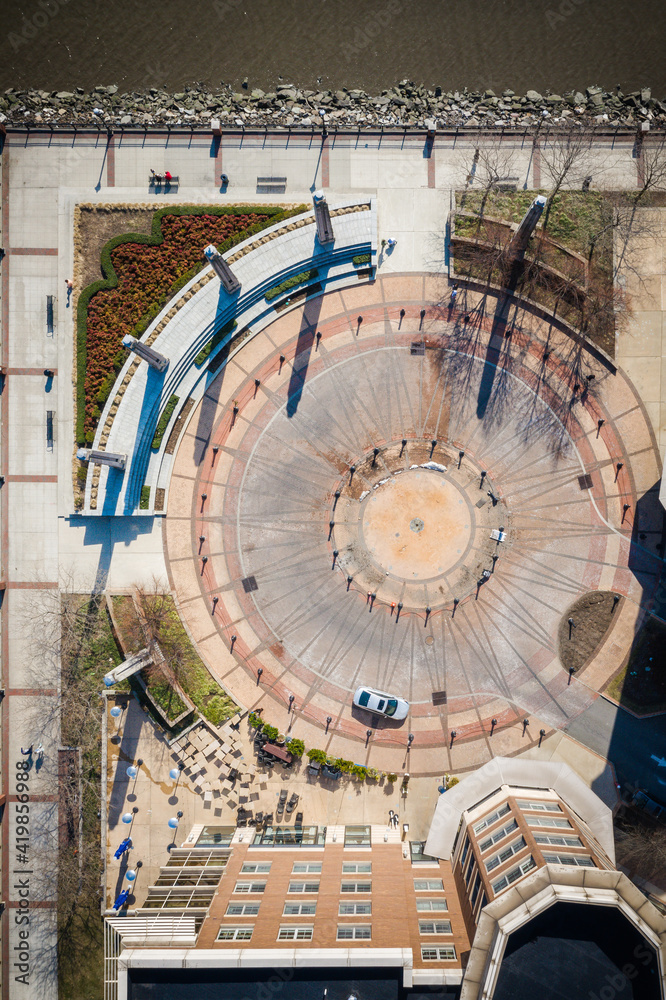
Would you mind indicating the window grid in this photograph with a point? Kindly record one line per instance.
(299, 909)
(502, 883)
(242, 910)
(505, 854)
(303, 887)
(235, 933)
(428, 885)
(581, 860)
(357, 836)
(258, 868)
(356, 867)
(289, 933)
(557, 821)
(442, 953)
(487, 821)
(349, 932)
(434, 926)
(306, 868)
(361, 886)
(498, 835)
(557, 840)
(422, 905)
(539, 806)
(250, 887)
(354, 909)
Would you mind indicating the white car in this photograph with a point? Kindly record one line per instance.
(381, 703)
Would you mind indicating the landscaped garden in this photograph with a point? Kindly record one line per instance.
(141, 273)
(568, 267)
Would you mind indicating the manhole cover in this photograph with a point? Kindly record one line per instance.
(416, 524)
(429, 640)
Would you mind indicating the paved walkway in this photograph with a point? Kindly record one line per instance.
(43, 178)
(265, 506)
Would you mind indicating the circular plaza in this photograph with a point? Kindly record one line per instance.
(377, 490)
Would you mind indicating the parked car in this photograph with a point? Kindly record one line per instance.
(649, 806)
(381, 703)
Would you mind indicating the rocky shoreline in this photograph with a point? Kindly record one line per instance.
(404, 105)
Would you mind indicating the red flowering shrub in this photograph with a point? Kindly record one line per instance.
(148, 271)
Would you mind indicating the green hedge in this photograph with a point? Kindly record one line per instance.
(298, 279)
(144, 501)
(164, 421)
(203, 354)
(361, 258)
(274, 214)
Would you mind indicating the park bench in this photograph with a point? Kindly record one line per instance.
(271, 185)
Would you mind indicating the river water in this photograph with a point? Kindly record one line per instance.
(521, 44)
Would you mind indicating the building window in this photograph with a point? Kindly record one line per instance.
(416, 850)
(431, 904)
(304, 887)
(261, 868)
(242, 910)
(442, 953)
(356, 867)
(557, 821)
(487, 821)
(434, 926)
(504, 855)
(306, 868)
(569, 859)
(498, 835)
(249, 886)
(464, 852)
(347, 932)
(551, 807)
(354, 909)
(295, 934)
(299, 909)
(428, 885)
(235, 933)
(364, 885)
(557, 840)
(502, 883)
(216, 836)
(290, 836)
(357, 836)
(470, 871)
(475, 893)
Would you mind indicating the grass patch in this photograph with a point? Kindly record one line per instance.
(182, 660)
(87, 646)
(214, 342)
(641, 684)
(164, 694)
(593, 615)
(144, 499)
(293, 282)
(163, 423)
(361, 258)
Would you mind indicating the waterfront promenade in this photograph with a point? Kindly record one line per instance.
(44, 545)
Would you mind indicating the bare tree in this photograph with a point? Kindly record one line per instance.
(632, 229)
(492, 162)
(563, 157)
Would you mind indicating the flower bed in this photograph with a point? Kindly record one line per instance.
(284, 286)
(164, 422)
(141, 274)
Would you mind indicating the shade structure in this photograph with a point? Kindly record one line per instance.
(132, 771)
(116, 711)
(174, 773)
(126, 817)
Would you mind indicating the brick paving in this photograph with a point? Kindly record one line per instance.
(270, 501)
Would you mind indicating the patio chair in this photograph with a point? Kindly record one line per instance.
(299, 819)
(292, 803)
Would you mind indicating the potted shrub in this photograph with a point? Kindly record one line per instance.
(281, 739)
(296, 747)
(255, 720)
(372, 773)
(319, 756)
(391, 778)
(359, 772)
(271, 733)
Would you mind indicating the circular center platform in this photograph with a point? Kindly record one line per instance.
(416, 525)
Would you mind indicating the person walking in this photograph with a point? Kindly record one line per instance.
(391, 242)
